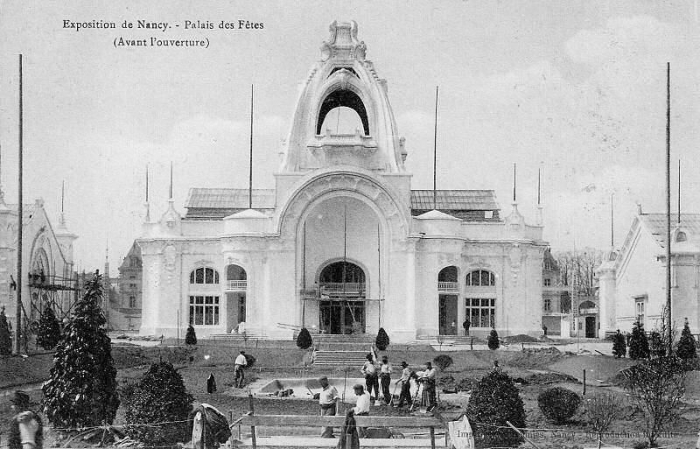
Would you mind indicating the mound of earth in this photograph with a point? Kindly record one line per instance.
(551, 378)
(536, 358)
(520, 338)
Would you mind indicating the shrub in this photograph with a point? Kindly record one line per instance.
(639, 345)
(191, 336)
(82, 386)
(5, 338)
(619, 345)
(250, 360)
(656, 388)
(161, 400)
(443, 361)
(493, 401)
(686, 345)
(558, 404)
(493, 341)
(601, 410)
(49, 330)
(304, 340)
(382, 340)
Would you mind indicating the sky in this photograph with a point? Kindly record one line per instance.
(574, 89)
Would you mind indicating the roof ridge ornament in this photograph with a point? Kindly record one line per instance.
(343, 43)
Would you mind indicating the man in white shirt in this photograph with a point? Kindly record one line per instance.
(328, 401)
(240, 363)
(385, 370)
(362, 406)
(371, 377)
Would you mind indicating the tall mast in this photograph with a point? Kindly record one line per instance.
(515, 168)
(20, 211)
(668, 207)
(2, 194)
(170, 191)
(679, 192)
(250, 162)
(437, 91)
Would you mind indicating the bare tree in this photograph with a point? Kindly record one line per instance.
(578, 269)
(602, 409)
(656, 387)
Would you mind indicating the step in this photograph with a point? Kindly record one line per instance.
(339, 358)
(294, 442)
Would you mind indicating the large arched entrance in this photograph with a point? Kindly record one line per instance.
(342, 306)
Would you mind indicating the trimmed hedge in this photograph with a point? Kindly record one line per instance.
(558, 404)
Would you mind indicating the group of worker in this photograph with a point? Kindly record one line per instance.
(377, 375)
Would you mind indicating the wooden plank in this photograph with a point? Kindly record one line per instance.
(337, 421)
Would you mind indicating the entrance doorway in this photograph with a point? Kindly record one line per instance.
(590, 327)
(342, 306)
(448, 315)
(236, 287)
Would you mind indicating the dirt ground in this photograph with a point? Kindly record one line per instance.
(535, 370)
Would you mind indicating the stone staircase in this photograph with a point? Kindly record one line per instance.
(340, 358)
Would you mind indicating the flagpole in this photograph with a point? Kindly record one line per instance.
(250, 163)
(668, 208)
(20, 212)
(437, 91)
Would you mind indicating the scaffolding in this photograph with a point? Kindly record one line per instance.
(60, 293)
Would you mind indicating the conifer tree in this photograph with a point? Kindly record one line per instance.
(686, 345)
(494, 401)
(619, 345)
(5, 337)
(493, 341)
(382, 340)
(161, 401)
(304, 340)
(82, 386)
(191, 336)
(49, 329)
(657, 346)
(639, 345)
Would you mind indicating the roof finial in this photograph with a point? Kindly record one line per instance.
(612, 221)
(515, 168)
(147, 218)
(62, 217)
(540, 219)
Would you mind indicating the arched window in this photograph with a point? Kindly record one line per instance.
(204, 275)
(448, 274)
(480, 302)
(347, 99)
(235, 273)
(481, 278)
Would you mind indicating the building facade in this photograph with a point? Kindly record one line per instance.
(48, 278)
(633, 280)
(556, 298)
(342, 243)
(125, 300)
